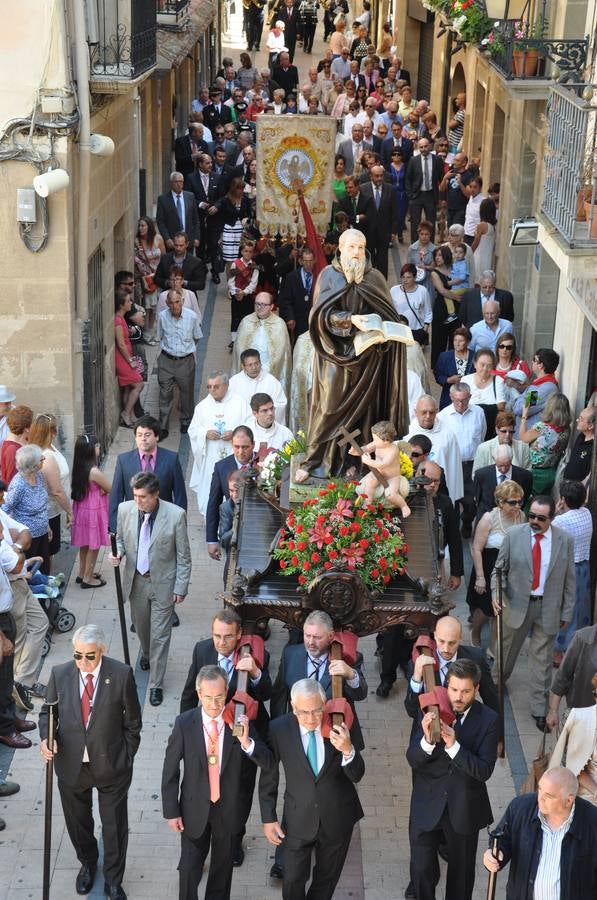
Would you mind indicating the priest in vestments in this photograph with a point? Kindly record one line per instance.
(268, 434)
(210, 432)
(266, 332)
(302, 383)
(349, 390)
(253, 379)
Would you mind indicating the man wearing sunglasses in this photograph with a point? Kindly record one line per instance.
(98, 733)
(539, 590)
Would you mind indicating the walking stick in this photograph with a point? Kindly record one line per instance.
(48, 805)
(495, 849)
(501, 747)
(117, 579)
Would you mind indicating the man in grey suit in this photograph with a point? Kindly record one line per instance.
(152, 535)
(98, 733)
(352, 148)
(537, 564)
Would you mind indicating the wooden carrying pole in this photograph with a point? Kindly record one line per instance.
(48, 803)
(242, 683)
(337, 683)
(501, 747)
(120, 599)
(429, 684)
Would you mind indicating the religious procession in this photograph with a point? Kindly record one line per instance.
(336, 519)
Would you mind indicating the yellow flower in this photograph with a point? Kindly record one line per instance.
(406, 466)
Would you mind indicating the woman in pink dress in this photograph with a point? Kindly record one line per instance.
(89, 493)
(126, 363)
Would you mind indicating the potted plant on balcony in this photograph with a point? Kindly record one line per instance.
(525, 57)
(493, 44)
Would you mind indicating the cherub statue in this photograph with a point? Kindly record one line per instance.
(386, 462)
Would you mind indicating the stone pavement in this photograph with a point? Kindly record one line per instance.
(378, 864)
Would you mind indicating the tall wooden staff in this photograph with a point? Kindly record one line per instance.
(337, 682)
(501, 747)
(495, 849)
(242, 703)
(48, 803)
(242, 683)
(424, 644)
(120, 598)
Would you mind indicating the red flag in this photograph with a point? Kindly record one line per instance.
(312, 240)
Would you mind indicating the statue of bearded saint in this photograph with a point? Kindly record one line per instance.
(349, 390)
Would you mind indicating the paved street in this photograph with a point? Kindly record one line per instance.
(378, 864)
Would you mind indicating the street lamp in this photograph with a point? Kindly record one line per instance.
(506, 9)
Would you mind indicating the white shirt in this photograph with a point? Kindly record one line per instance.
(500, 477)
(469, 428)
(8, 560)
(207, 728)
(83, 687)
(484, 336)
(545, 558)
(177, 336)
(472, 215)
(11, 560)
(547, 878)
(3, 430)
(493, 392)
(413, 305)
(275, 437)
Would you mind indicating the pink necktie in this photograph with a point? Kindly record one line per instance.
(86, 700)
(213, 766)
(146, 463)
(536, 561)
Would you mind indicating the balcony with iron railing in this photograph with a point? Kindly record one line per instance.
(172, 13)
(520, 51)
(570, 183)
(122, 42)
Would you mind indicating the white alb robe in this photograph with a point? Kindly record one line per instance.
(270, 337)
(223, 415)
(265, 383)
(445, 452)
(274, 437)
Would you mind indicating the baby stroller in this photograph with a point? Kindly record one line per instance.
(47, 589)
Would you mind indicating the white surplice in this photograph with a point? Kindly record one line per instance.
(274, 437)
(445, 452)
(265, 383)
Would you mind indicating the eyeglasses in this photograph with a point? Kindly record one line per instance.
(505, 346)
(514, 502)
(127, 283)
(262, 305)
(538, 517)
(506, 430)
(309, 713)
(89, 656)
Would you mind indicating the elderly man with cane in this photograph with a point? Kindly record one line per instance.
(98, 726)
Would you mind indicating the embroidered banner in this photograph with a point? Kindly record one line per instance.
(290, 148)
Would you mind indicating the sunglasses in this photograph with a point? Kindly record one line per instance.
(538, 517)
(513, 503)
(505, 346)
(89, 656)
(415, 455)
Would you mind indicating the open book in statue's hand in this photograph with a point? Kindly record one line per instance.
(373, 330)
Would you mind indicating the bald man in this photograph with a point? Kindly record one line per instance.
(550, 839)
(449, 646)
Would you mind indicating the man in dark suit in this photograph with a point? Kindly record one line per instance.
(296, 295)
(221, 141)
(205, 809)
(423, 176)
(147, 456)
(193, 268)
(401, 74)
(449, 647)
(470, 308)
(382, 218)
(243, 448)
(396, 142)
(310, 659)
(204, 185)
(285, 74)
(449, 800)
(354, 204)
(289, 14)
(355, 75)
(187, 148)
(176, 212)
(487, 479)
(216, 112)
(98, 732)
(321, 805)
(219, 650)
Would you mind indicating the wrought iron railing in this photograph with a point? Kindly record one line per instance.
(536, 57)
(126, 38)
(570, 182)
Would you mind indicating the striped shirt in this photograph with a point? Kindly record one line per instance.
(579, 525)
(547, 879)
(177, 336)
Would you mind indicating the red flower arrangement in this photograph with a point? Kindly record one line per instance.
(338, 529)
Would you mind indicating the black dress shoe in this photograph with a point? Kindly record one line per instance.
(410, 892)
(2, 824)
(7, 788)
(466, 531)
(239, 857)
(132, 628)
(383, 688)
(215, 277)
(184, 429)
(156, 695)
(144, 664)
(114, 891)
(443, 851)
(276, 871)
(24, 725)
(540, 722)
(175, 620)
(85, 878)
(16, 741)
